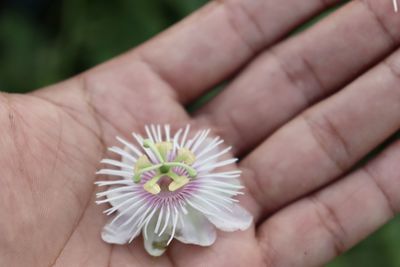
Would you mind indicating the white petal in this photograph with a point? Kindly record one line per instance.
(154, 244)
(196, 229)
(238, 219)
(116, 234)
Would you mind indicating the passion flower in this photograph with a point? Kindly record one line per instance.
(171, 188)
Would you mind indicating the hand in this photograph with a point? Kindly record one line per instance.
(297, 141)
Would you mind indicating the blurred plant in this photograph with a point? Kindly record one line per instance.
(42, 42)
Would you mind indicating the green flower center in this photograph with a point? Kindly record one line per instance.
(184, 159)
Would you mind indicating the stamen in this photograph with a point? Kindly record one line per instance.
(142, 163)
(163, 148)
(185, 156)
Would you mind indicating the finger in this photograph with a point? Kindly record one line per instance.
(326, 140)
(189, 57)
(319, 227)
(197, 53)
(285, 80)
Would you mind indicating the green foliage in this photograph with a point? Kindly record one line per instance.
(380, 249)
(71, 36)
(74, 35)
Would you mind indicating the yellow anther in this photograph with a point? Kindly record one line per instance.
(186, 156)
(163, 148)
(141, 163)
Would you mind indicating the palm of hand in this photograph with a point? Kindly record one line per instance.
(54, 148)
(53, 140)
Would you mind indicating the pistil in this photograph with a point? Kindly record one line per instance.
(183, 160)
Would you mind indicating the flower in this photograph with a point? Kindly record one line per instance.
(396, 8)
(170, 189)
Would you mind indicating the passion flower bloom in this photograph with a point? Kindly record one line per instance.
(170, 188)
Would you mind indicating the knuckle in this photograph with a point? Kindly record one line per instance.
(388, 22)
(329, 139)
(330, 222)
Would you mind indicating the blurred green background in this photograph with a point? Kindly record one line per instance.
(45, 41)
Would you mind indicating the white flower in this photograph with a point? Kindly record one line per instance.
(169, 190)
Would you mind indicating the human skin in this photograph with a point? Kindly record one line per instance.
(300, 113)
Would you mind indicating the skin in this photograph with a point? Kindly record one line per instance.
(300, 113)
